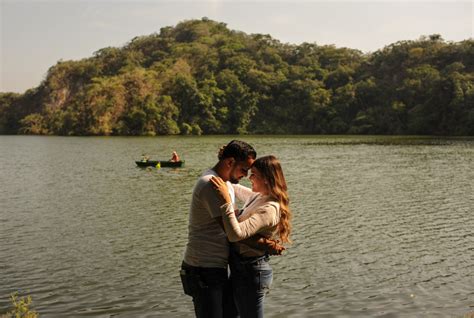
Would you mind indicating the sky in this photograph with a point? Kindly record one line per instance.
(36, 34)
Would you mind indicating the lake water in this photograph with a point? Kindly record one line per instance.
(383, 226)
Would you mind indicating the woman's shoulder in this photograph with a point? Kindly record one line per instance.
(270, 205)
(271, 210)
(274, 204)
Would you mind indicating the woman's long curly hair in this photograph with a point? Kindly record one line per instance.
(270, 168)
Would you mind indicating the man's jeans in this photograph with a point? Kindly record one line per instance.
(251, 279)
(210, 289)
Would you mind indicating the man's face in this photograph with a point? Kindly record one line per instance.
(239, 169)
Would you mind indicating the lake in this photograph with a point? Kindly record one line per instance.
(382, 226)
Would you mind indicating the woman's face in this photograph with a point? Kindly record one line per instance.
(258, 183)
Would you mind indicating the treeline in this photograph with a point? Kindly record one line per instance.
(202, 78)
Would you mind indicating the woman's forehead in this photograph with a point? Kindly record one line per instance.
(254, 170)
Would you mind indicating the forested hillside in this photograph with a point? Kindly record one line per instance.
(199, 77)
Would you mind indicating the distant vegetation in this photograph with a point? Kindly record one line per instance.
(199, 77)
(21, 308)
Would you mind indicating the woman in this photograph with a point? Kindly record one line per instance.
(266, 213)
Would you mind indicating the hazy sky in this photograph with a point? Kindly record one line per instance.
(35, 34)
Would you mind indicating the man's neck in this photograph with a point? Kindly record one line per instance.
(219, 169)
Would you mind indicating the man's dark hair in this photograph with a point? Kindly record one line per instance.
(239, 150)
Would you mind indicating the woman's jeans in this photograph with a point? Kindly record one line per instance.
(251, 279)
(210, 289)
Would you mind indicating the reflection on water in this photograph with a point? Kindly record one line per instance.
(382, 225)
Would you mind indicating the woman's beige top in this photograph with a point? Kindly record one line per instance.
(260, 214)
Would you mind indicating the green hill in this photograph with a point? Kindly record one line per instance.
(199, 77)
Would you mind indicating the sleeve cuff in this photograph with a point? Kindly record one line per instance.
(226, 207)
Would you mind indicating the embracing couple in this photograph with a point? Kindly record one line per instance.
(221, 236)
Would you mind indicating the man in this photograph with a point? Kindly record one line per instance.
(204, 270)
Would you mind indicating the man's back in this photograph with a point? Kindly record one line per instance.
(207, 242)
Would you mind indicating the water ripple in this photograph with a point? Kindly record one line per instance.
(382, 226)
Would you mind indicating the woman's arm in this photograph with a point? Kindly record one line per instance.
(242, 193)
(264, 216)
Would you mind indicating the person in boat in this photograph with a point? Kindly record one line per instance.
(204, 270)
(174, 157)
(266, 212)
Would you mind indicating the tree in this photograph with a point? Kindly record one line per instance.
(199, 77)
(239, 100)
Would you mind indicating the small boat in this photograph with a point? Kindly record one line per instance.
(160, 163)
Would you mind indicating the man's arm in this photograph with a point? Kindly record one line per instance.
(272, 247)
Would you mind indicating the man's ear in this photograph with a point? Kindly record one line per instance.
(230, 162)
